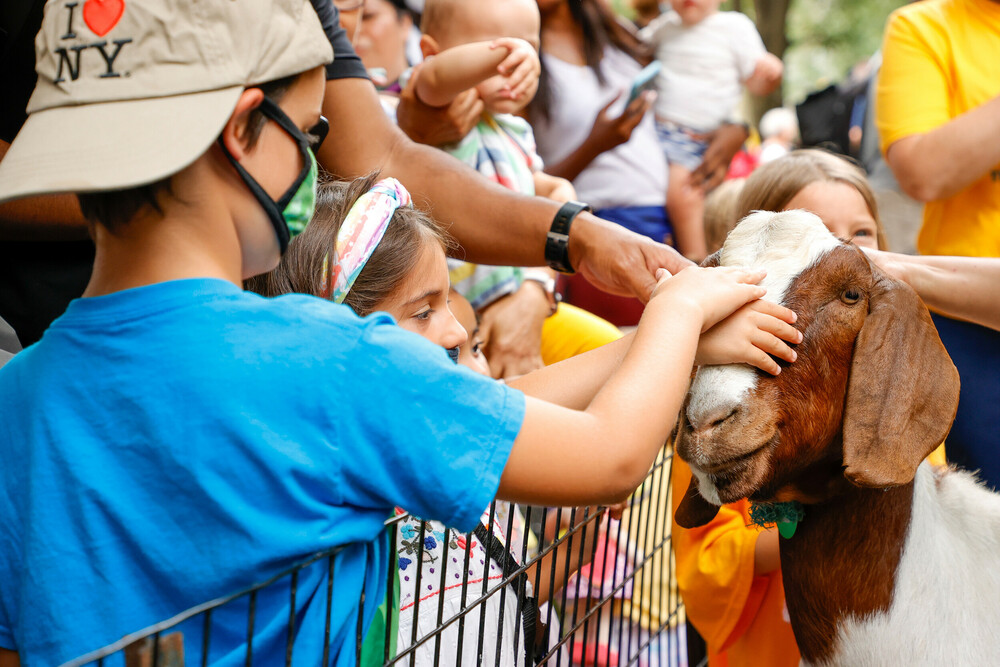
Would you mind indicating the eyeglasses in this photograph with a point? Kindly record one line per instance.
(311, 138)
(349, 5)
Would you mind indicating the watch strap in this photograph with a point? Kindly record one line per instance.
(557, 240)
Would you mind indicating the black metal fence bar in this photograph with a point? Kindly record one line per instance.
(622, 609)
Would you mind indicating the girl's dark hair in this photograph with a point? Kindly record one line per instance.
(599, 28)
(115, 208)
(301, 268)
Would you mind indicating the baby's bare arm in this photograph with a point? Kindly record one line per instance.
(446, 75)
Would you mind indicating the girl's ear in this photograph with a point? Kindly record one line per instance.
(236, 131)
(429, 46)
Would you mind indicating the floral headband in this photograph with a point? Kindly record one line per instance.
(360, 234)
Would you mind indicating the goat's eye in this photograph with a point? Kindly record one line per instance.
(850, 296)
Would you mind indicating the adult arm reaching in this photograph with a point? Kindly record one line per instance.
(493, 225)
(960, 287)
(48, 218)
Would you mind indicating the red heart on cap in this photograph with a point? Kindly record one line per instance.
(102, 15)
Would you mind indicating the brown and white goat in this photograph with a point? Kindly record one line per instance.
(895, 562)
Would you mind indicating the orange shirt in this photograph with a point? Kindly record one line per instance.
(742, 617)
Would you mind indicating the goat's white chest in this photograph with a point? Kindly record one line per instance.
(946, 601)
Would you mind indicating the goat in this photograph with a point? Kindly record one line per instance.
(895, 562)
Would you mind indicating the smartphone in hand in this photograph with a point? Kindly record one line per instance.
(645, 80)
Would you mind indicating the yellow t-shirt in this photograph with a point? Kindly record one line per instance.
(941, 58)
(572, 331)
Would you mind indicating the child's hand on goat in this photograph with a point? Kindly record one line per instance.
(749, 336)
(714, 293)
(521, 67)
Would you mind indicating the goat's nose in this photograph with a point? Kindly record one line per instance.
(706, 421)
(716, 395)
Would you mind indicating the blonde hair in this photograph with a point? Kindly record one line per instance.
(720, 212)
(776, 183)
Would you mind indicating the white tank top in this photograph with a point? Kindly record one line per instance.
(632, 174)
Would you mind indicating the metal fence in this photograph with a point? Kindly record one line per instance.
(605, 587)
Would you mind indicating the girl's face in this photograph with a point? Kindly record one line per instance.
(842, 209)
(420, 303)
(382, 37)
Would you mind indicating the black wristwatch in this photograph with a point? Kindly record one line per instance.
(557, 241)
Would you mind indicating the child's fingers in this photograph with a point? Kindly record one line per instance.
(509, 64)
(760, 359)
(521, 88)
(779, 328)
(776, 310)
(747, 275)
(773, 345)
(523, 76)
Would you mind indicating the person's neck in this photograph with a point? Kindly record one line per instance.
(562, 37)
(156, 248)
(393, 73)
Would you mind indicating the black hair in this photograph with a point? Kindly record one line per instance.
(115, 208)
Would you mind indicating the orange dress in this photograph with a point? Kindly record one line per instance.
(741, 617)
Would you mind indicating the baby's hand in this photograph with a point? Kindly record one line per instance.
(714, 292)
(748, 336)
(766, 76)
(521, 66)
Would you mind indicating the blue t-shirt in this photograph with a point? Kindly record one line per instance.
(171, 444)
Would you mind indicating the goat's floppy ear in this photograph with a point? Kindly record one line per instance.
(903, 390)
(694, 511)
(713, 259)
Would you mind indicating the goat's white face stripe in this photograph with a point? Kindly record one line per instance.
(785, 244)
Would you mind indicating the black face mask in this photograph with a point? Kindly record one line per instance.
(286, 223)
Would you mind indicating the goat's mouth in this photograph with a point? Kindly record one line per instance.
(734, 477)
(731, 465)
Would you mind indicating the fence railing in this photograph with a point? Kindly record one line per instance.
(529, 586)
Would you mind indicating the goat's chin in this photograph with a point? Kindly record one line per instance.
(734, 479)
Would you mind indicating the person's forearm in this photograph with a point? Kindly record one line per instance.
(493, 225)
(45, 218)
(568, 550)
(455, 70)
(962, 287)
(616, 438)
(940, 163)
(574, 382)
(766, 557)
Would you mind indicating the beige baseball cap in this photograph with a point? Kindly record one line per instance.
(132, 91)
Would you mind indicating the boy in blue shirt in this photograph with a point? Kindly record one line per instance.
(172, 439)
